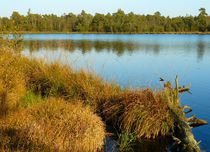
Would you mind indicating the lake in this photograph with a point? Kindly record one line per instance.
(137, 61)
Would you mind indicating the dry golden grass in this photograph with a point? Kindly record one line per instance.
(12, 82)
(146, 113)
(53, 125)
(61, 81)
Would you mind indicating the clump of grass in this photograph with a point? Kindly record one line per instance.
(126, 141)
(12, 81)
(61, 81)
(53, 125)
(16, 44)
(30, 99)
(146, 113)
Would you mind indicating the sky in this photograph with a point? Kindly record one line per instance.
(166, 7)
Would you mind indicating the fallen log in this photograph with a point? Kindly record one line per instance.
(184, 133)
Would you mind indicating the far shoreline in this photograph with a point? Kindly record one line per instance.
(128, 33)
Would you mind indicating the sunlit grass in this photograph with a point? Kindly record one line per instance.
(12, 81)
(53, 125)
(61, 81)
(146, 113)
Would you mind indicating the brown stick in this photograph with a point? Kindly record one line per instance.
(188, 108)
(198, 122)
(183, 89)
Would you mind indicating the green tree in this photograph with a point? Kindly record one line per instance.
(202, 20)
(83, 22)
(119, 20)
(98, 23)
(17, 21)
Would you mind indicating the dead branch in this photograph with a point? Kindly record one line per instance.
(197, 122)
(188, 108)
(184, 89)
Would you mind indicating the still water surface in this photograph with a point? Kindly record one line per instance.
(136, 61)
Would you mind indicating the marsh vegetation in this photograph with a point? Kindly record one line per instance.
(51, 107)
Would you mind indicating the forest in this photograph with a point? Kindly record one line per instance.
(118, 22)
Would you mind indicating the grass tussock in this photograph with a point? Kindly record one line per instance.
(53, 125)
(61, 81)
(126, 141)
(146, 113)
(12, 82)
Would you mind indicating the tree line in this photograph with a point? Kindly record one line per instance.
(118, 22)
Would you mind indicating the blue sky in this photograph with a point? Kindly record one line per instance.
(166, 7)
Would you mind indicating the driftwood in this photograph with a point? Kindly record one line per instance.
(184, 89)
(188, 108)
(184, 140)
(195, 122)
(187, 142)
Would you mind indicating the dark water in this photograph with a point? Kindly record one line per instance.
(137, 61)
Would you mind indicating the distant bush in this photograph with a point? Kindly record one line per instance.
(53, 125)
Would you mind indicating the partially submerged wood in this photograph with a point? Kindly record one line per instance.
(188, 108)
(153, 114)
(195, 122)
(183, 129)
(184, 133)
(184, 89)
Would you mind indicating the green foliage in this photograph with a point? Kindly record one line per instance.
(126, 141)
(114, 23)
(30, 99)
(202, 20)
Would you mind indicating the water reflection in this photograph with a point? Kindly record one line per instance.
(117, 47)
(200, 50)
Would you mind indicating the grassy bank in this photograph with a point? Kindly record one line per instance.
(51, 107)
